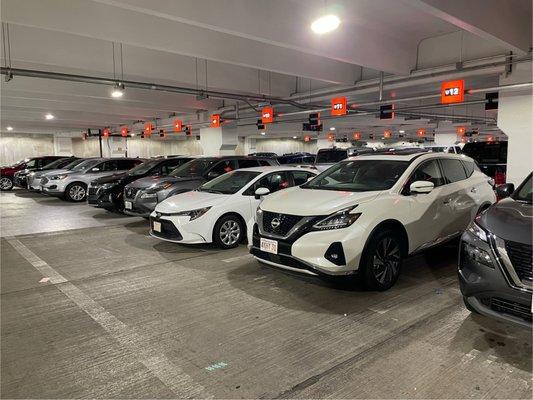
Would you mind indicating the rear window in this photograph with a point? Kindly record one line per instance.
(469, 167)
(330, 156)
(453, 170)
(487, 152)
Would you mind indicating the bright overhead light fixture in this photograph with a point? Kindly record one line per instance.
(325, 24)
(9, 128)
(295, 137)
(401, 131)
(332, 128)
(49, 116)
(118, 90)
(263, 133)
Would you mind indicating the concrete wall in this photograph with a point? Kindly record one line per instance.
(138, 147)
(282, 146)
(15, 147)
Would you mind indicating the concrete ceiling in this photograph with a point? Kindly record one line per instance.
(242, 46)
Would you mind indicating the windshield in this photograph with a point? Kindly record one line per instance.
(84, 166)
(229, 183)
(194, 167)
(525, 192)
(72, 164)
(330, 156)
(144, 167)
(56, 164)
(359, 176)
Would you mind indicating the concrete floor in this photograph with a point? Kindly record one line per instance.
(124, 315)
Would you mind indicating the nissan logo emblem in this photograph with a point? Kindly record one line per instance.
(275, 223)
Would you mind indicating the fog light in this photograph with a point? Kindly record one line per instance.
(335, 254)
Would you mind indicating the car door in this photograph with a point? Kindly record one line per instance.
(460, 194)
(430, 214)
(273, 182)
(105, 168)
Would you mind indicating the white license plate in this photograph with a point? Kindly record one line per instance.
(127, 205)
(269, 246)
(157, 226)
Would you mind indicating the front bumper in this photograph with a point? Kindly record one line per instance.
(139, 207)
(311, 252)
(20, 181)
(54, 187)
(487, 289)
(181, 229)
(34, 183)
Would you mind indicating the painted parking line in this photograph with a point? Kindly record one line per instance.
(172, 376)
(228, 260)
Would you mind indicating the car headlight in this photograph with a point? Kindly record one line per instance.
(192, 214)
(147, 195)
(57, 177)
(477, 254)
(477, 231)
(107, 185)
(340, 219)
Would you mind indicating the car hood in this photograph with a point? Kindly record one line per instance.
(151, 181)
(509, 220)
(51, 172)
(310, 202)
(191, 201)
(110, 178)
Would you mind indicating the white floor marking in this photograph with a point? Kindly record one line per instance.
(179, 382)
(228, 260)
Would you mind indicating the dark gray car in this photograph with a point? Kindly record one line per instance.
(495, 260)
(142, 195)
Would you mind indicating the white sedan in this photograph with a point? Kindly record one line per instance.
(217, 211)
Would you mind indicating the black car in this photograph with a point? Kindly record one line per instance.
(39, 164)
(107, 192)
(491, 158)
(141, 196)
(495, 258)
(297, 158)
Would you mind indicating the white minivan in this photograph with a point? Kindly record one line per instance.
(366, 214)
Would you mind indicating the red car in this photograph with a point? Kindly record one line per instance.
(7, 173)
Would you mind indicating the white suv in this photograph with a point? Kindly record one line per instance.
(366, 214)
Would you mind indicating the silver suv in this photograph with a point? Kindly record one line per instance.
(72, 185)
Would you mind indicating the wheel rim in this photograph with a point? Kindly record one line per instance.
(77, 193)
(5, 183)
(386, 260)
(230, 231)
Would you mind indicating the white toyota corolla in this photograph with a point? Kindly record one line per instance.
(367, 213)
(218, 210)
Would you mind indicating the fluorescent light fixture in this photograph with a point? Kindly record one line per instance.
(325, 24)
(263, 133)
(401, 131)
(132, 135)
(118, 90)
(49, 116)
(9, 128)
(332, 128)
(295, 137)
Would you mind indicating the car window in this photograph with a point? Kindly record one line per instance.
(331, 155)
(300, 177)
(127, 164)
(31, 163)
(194, 167)
(264, 163)
(224, 166)
(110, 165)
(428, 171)
(250, 163)
(229, 183)
(170, 165)
(274, 181)
(525, 191)
(453, 170)
(469, 167)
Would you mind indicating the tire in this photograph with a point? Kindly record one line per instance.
(469, 307)
(382, 260)
(6, 183)
(228, 232)
(76, 192)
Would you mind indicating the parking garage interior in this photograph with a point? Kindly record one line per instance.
(94, 304)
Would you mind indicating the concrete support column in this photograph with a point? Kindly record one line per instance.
(515, 119)
(221, 141)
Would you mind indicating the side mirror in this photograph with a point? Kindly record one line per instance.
(421, 187)
(262, 191)
(212, 175)
(95, 169)
(505, 190)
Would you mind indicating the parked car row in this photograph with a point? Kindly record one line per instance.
(360, 217)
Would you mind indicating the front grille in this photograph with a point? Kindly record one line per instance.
(521, 258)
(286, 223)
(130, 192)
(168, 230)
(44, 180)
(512, 308)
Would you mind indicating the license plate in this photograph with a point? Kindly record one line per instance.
(157, 226)
(269, 246)
(127, 205)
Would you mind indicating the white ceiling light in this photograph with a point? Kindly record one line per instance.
(332, 128)
(9, 128)
(118, 90)
(49, 116)
(325, 24)
(295, 137)
(263, 133)
(401, 131)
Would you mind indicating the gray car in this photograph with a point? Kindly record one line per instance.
(142, 195)
(72, 185)
(495, 258)
(34, 177)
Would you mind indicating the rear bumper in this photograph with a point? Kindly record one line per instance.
(486, 288)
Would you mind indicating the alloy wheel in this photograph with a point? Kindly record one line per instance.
(386, 260)
(5, 183)
(77, 193)
(230, 232)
